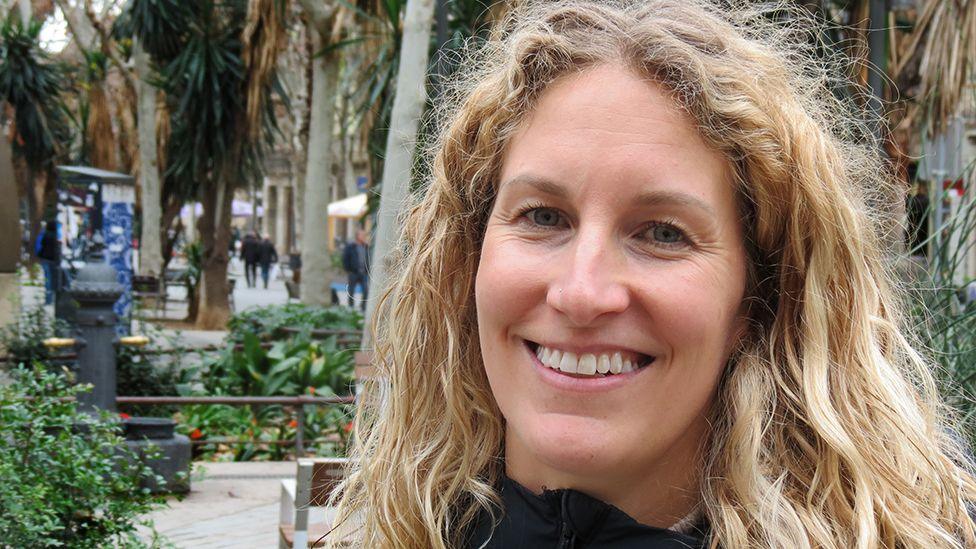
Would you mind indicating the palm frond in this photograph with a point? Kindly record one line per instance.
(945, 39)
(264, 36)
(33, 86)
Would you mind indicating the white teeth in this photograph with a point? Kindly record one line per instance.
(616, 363)
(569, 364)
(542, 353)
(587, 365)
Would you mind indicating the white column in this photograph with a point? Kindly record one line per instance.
(280, 237)
(270, 209)
(191, 224)
(298, 210)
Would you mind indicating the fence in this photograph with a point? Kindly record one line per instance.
(298, 403)
(346, 338)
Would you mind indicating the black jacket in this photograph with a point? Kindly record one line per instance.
(249, 249)
(50, 246)
(572, 520)
(266, 253)
(355, 258)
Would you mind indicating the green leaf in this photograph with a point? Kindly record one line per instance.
(288, 365)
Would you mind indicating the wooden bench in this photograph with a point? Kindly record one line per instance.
(315, 481)
(177, 277)
(150, 287)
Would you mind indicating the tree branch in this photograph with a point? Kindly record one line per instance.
(79, 26)
(108, 44)
(319, 13)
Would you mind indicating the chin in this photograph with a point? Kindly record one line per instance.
(574, 446)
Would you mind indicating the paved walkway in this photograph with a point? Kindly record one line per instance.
(230, 505)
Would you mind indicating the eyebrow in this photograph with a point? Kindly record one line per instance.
(650, 198)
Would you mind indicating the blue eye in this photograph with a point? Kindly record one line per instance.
(666, 234)
(545, 217)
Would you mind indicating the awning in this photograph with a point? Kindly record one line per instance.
(239, 208)
(85, 174)
(353, 207)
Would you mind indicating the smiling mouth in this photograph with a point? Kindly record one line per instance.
(589, 365)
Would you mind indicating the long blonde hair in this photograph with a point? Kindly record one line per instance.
(828, 429)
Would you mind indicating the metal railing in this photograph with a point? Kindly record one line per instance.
(350, 339)
(298, 403)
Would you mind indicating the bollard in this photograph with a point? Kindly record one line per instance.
(96, 289)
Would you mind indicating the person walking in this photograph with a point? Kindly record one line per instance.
(355, 260)
(49, 252)
(249, 253)
(267, 255)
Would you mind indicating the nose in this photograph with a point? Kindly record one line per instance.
(589, 281)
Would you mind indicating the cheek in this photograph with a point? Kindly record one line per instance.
(510, 282)
(696, 311)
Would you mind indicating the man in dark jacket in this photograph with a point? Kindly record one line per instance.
(267, 255)
(49, 252)
(355, 260)
(249, 253)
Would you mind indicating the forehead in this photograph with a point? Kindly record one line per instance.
(607, 129)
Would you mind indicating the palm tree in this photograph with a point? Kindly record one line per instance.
(31, 87)
(216, 64)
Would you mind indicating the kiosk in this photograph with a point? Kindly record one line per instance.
(91, 200)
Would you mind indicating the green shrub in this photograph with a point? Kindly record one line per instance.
(944, 323)
(66, 477)
(264, 322)
(295, 366)
(23, 339)
(144, 371)
(254, 427)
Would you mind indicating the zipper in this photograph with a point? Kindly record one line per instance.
(567, 537)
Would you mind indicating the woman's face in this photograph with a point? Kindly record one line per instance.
(613, 244)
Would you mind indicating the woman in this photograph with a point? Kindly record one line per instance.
(644, 303)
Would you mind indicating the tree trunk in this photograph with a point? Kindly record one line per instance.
(318, 172)
(170, 219)
(214, 309)
(877, 62)
(38, 203)
(150, 256)
(401, 143)
(25, 11)
(99, 132)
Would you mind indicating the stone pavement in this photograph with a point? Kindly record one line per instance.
(244, 298)
(231, 505)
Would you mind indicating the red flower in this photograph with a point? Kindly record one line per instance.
(293, 423)
(348, 427)
(196, 433)
(124, 415)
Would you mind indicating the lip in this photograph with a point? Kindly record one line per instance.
(572, 384)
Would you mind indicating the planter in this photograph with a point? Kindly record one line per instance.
(153, 428)
(145, 435)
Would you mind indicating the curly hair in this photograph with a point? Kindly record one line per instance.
(828, 429)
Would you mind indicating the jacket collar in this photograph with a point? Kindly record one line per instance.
(570, 519)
